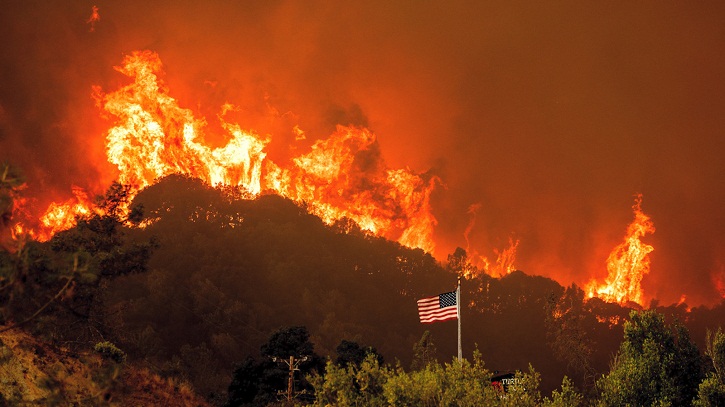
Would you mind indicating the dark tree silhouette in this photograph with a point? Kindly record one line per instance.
(286, 342)
(260, 383)
(351, 353)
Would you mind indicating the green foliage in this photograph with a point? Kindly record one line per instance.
(110, 351)
(52, 289)
(525, 392)
(351, 385)
(715, 350)
(451, 384)
(656, 365)
(568, 325)
(711, 392)
(568, 396)
(424, 351)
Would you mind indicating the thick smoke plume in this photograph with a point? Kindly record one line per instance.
(549, 117)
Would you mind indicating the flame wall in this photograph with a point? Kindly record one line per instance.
(550, 117)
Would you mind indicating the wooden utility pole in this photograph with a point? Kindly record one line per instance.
(293, 364)
(291, 379)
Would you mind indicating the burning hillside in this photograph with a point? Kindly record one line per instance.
(540, 129)
(341, 177)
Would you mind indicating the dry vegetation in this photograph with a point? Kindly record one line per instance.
(35, 373)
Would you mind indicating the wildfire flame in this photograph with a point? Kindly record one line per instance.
(62, 216)
(58, 216)
(627, 263)
(154, 137)
(505, 259)
(340, 177)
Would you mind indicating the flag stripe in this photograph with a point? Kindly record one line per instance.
(439, 308)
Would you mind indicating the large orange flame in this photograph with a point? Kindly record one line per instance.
(340, 177)
(57, 217)
(62, 216)
(154, 137)
(627, 263)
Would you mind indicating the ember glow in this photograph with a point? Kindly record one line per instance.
(628, 263)
(94, 18)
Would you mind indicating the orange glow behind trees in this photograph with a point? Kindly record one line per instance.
(627, 263)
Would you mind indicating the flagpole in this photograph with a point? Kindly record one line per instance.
(458, 310)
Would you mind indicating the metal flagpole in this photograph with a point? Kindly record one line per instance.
(458, 310)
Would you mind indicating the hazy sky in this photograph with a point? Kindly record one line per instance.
(551, 116)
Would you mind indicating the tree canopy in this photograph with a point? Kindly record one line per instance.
(657, 364)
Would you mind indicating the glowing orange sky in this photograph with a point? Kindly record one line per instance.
(551, 117)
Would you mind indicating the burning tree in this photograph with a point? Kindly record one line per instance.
(628, 262)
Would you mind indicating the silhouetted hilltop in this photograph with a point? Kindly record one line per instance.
(201, 286)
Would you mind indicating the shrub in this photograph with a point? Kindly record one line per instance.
(110, 351)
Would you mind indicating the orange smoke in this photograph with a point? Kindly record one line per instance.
(627, 263)
(340, 177)
(473, 211)
(718, 280)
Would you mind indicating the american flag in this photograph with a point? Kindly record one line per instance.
(439, 308)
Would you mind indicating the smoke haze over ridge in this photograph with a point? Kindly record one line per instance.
(551, 117)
